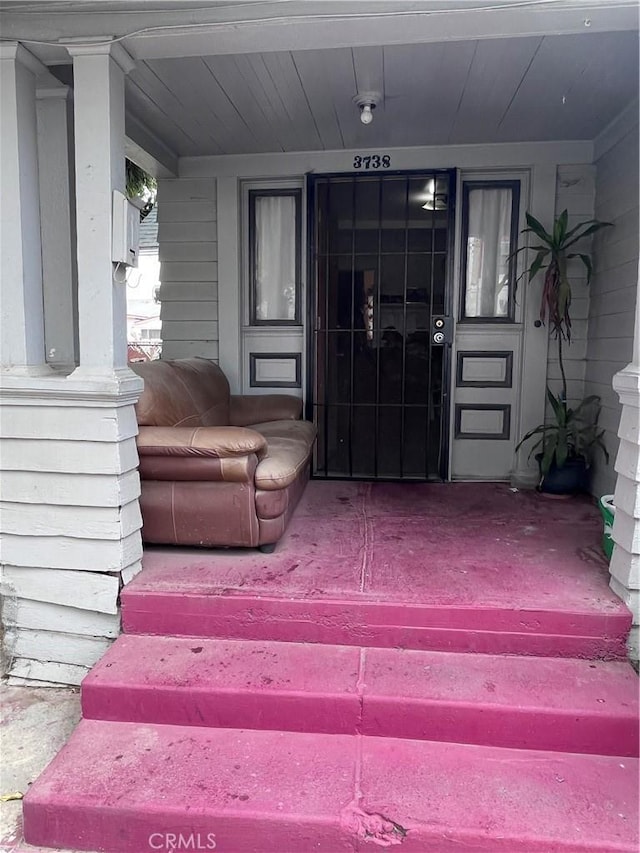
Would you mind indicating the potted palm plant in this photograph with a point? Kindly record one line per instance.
(565, 444)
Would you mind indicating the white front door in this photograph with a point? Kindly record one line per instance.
(488, 340)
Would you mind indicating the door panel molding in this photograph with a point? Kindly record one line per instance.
(285, 370)
(483, 427)
(495, 376)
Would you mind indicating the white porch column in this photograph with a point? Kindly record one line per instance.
(22, 324)
(625, 562)
(98, 73)
(57, 211)
(69, 487)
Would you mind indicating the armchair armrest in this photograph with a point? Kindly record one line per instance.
(217, 442)
(209, 454)
(246, 409)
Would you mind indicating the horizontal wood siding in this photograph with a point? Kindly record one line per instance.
(70, 519)
(614, 288)
(188, 238)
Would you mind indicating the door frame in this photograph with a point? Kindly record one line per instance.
(450, 305)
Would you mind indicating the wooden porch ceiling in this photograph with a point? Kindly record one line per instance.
(534, 88)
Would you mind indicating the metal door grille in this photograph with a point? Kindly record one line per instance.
(380, 250)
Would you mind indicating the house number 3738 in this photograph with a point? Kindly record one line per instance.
(372, 161)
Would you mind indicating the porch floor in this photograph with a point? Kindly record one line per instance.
(444, 557)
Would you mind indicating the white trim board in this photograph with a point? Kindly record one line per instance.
(489, 156)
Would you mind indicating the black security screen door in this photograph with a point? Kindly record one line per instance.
(380, 309)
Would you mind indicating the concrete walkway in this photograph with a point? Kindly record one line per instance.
(35, 723)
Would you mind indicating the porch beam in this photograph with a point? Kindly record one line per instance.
(145, 148)
(22, 315)
(307, 25)
(300, 29)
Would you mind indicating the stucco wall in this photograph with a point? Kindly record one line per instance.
(188, 237)
(613, 290)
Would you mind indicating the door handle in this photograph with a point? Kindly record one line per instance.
(441, 330)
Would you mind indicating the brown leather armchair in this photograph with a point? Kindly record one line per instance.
(217, 469)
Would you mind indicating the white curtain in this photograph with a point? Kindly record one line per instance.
(275, 257)
(488, 248)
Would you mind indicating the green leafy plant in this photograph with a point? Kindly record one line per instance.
(553, 256)
(139, 184)
(574, 433)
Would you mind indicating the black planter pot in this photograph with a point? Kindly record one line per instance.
(571, 478)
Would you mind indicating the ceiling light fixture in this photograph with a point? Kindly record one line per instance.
(436, 202)
(432, 199)
(366, 102)
(366, 113)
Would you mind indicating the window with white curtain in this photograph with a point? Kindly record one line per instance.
(274, 243)
(489, 237)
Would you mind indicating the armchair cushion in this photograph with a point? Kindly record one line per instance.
(182, 393)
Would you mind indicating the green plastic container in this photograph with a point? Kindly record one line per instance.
(608, 512)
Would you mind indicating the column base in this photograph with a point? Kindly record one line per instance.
(119, 380)
(70, 519)
(625, 562)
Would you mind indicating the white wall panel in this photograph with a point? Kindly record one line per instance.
(47, 671)
(184, 211)
(64, 488)
(177, 231)
(92, 457)
(189, 349)
(191, 291)
(67, 552)
(70, 424)
(81, 522)
(188, 238)
(42, 616)
(614, 288)
(58, 647)
(91, 591)
(189, 310)
(188, 251)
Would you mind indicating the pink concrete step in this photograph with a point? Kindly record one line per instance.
(459, 567)
(190, 605)
(127, 787)
(529, 703)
